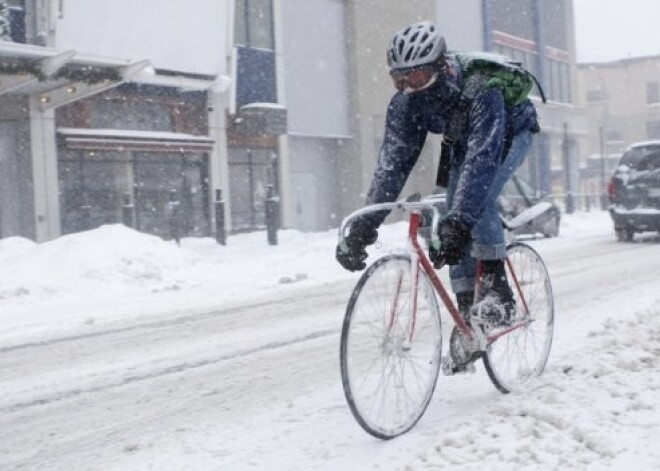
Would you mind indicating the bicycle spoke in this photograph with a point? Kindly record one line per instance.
(523, 352)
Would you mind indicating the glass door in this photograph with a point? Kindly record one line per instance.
(164, 178)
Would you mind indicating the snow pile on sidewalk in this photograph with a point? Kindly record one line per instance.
(114, 257)
(555, 423)
(108, 258)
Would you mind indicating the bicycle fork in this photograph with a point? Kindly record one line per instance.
(404, 343)
(411, 321)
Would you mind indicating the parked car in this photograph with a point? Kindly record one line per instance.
(519, 202)
(518, 196)
(634, 191)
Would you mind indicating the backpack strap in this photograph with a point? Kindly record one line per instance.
(459, 115)
(456, 123)
(538, 85)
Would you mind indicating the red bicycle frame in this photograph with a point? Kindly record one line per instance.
(466, 330)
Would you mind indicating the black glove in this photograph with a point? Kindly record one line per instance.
(454, 237)
(351, 254)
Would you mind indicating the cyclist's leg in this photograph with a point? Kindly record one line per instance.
(488, 233)
(496, 303)
(461, 275)
(489, 243)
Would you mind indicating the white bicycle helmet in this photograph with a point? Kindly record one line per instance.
(416, 45)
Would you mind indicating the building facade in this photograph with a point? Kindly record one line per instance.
(97, 123)
(117, 121)
(622, 99)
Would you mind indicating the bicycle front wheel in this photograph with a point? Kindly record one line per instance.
(391, 343)
(523, 353)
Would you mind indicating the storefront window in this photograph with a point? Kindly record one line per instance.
(250, 172)
(94, 185)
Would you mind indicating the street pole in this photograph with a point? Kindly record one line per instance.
(570, 203)
(601, 134)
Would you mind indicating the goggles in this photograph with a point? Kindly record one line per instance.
(413, 80)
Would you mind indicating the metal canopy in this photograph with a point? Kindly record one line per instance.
(61, 77)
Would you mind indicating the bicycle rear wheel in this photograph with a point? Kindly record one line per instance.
(389, 374)
(523, 353)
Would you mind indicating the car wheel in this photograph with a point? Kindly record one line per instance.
(624, 234)
(551, 227)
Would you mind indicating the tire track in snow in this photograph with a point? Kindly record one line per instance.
(179, 320)
(169, 370)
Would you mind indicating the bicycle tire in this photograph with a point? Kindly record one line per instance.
(388, 384)
(523, 353)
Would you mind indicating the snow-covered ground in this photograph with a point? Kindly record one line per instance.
(119, 350)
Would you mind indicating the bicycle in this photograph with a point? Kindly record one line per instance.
(391, 348)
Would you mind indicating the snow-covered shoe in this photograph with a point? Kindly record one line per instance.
(497, 306)
(494, 311)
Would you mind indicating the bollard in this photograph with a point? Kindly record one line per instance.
(128, 212)
(174, 217)
(220, 232)
(570, 204)
(272, 215)
(85, 217)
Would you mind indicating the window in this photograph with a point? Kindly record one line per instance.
(520, 24)
(652, 93)
(94, 184)
(653, 130)
(13, 22)
(254, 24)
(641, 157)
(255, 48)
(565, 75)
(250, 172)
(613, 135)
(596, 96)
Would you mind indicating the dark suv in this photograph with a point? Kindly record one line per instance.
(634, 191)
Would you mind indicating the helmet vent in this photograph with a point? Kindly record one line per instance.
(426, 50)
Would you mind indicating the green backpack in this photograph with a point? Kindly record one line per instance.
(480, 71)
(485, 70)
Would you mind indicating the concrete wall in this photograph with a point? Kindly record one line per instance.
(316, 74)
(371, 90)
(460, 23)
(175, 35)
(314, 182)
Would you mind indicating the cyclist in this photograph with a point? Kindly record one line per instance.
(494, 140)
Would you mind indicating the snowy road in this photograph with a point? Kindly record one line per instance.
(257, 387)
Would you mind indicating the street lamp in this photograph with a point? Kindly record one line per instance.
(603, 196)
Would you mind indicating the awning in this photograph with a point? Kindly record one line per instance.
(61, 77)
(118, 139)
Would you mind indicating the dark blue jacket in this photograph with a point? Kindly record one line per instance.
(411, 116)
